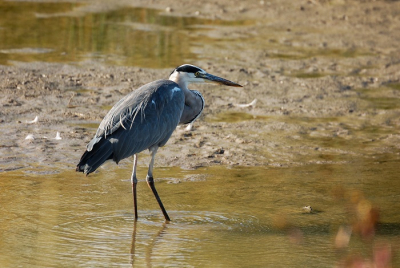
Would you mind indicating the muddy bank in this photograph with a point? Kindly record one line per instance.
(326, 76)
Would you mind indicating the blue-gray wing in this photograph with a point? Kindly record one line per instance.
(144, 118)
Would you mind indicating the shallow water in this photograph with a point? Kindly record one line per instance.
(226, 217)
(74, 33)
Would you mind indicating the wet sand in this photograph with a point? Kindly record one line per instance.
(325, 74)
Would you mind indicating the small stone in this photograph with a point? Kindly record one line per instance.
(307, 209)
(219, 151)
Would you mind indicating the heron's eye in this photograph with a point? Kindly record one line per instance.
(197, 74)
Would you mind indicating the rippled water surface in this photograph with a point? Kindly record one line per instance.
(220, 217)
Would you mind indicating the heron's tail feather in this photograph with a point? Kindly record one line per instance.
(93, 159)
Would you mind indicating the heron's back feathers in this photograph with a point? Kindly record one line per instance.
(144, 118)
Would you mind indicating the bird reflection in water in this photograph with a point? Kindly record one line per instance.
(150, 247)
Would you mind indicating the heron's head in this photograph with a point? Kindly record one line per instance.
(187, 74)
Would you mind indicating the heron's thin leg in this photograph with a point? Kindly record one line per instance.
(134, 184)
(150, 182)
(133, 244)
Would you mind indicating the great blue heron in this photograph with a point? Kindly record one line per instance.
(145, 119)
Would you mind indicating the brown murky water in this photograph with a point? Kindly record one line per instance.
(67, 32)
(224, 217)
(50, 216)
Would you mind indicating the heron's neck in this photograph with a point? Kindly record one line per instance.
(194, 105)
(194, 101)
(182, 83)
